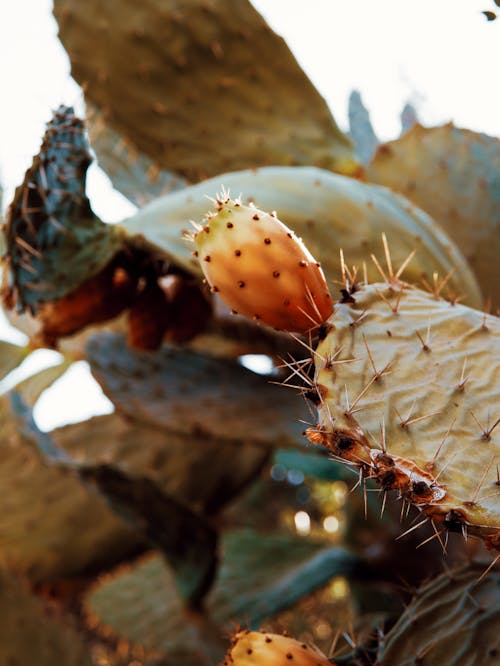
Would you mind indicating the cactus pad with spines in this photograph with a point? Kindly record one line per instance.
(190, 86)
(454, 619)
(54, 240)
(328, 211)
(454, 175)
(255, 648)
(416, 406)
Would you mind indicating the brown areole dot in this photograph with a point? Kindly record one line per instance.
(237, 253)
(241, 284)
(229, 225)
(276, 274)
(267, 241)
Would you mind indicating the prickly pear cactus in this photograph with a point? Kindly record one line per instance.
(328, 211)
(186, 83)
(454, 619)
(30, 635)
(407, 391)
(54, 240)
(255, 648)
(274, 279)
(453, 174)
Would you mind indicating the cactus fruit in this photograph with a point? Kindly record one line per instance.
(407, 391)
(258, 648)
(261, 269)
(187, 83)
(453, 174)
(323, 209)
(453, 619)
(30, 633)
(54, 240)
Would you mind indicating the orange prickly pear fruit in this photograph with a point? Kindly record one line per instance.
(254, 648)
(259, 267)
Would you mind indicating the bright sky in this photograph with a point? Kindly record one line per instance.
(440, 55)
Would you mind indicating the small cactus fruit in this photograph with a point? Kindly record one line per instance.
(407, 389)
(261, 269)
(254, 648)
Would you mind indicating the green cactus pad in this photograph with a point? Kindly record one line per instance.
(260, 575)
(330, 212)
(417, 408)
(453, 620)
(184, 392)
(190, 85)
(176, 462)
(54, 240)
(454, 175)
(30, 634)
(131, 172)
(49, 524)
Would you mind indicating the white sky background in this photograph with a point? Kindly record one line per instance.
(442, 55)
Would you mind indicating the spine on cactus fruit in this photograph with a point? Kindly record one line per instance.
(259, 267)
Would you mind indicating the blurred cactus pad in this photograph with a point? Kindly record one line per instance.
(250, 496)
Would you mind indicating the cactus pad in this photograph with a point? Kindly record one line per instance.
(259, 576)
(190, 86)
(30, 634)
(54, 240)
(49, 524)
(328, 211)
(184, 392)
(454, 175)
(454, 619)
(417, 408)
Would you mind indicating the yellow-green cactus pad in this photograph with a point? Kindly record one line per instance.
(199, 87)
(328, 211)
(454, 175)
(408, 390)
